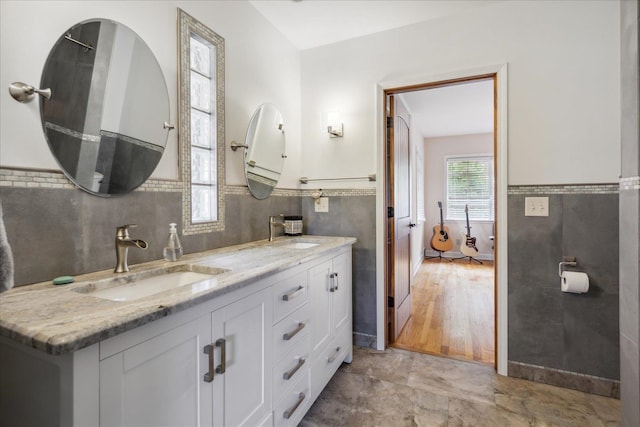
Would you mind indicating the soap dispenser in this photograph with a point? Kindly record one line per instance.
(173, 250)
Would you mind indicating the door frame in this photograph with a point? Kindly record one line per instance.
(499, 72)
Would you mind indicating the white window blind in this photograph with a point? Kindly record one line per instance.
(470, 182)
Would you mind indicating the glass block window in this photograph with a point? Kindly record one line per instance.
(204, 190)
(470, 182)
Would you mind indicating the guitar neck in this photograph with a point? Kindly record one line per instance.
(466, 212)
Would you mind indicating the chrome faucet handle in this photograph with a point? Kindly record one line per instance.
(123, 230)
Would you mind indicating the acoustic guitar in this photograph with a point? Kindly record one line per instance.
(468, 245)
(440, 240)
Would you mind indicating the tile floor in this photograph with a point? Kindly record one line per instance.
(400, 388)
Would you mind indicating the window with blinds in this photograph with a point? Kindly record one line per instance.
(470, 182)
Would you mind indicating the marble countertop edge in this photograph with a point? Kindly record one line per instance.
(58, 320)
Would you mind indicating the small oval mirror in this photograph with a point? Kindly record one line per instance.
(264, 157)
(105, 121)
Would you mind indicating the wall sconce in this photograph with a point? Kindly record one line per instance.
(334, 125)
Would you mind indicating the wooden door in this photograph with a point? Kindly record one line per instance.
(159, 382)
(240, 393)
(400, 222)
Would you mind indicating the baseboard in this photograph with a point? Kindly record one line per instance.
(364, 340)
(572, 380)
(450, 254)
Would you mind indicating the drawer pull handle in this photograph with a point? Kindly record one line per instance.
(287, 414)
(287, 375)
(334, 280)
(288, 335)
(222, 367)
(292, 295)
(208, 349)
(333, 357)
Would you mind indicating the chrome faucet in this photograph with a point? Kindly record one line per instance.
(273, 224)
(123, 242)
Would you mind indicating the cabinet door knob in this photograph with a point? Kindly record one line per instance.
(288, 335)
(288, 297)
(208, 349)
(222, 367)
(287, 414)
(333, 357)
(287, 375)
(334, 280)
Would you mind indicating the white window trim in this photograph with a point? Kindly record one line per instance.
(446, 184)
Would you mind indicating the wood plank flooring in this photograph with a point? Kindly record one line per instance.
(452, 311)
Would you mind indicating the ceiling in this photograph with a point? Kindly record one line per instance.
(452, 110)
(313, 23)
(460, 109)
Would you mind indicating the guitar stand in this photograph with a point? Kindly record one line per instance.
(470, 259)
(439, 257)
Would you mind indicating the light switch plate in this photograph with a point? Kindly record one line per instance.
(322, 204)
(536, 206)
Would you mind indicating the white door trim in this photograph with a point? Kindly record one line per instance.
(501, 199)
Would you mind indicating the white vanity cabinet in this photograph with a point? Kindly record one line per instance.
(331, 337)
(211, 371)
(257, 355)
(159, 381)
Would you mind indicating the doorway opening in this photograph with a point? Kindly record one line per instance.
(440, 271)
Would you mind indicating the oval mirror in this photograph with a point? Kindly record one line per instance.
(264, 157)
(105, 120)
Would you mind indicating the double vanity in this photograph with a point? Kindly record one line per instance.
(247, 335)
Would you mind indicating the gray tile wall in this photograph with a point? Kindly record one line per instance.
(54, 232)
(630, 213)
(547, 327)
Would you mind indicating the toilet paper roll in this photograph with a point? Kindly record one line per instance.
(576, 282)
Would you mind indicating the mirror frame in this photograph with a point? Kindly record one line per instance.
(188, 25)
(261, 181)
(100, 145)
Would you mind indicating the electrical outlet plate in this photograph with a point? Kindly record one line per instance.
(536, 206)
(322, 204)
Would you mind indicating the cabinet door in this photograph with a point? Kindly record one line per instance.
(159, 382)
(341, 310)
(320, 305)
(242, 394)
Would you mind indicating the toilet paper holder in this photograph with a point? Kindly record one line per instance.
(567, 260)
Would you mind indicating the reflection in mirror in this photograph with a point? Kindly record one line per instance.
(105, 120)
(264, 157)
(201, 83)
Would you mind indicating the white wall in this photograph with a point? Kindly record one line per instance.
(563, 86)
(436, 149)
(261, 66)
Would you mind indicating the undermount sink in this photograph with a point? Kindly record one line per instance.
(299, 245)
(145, 284)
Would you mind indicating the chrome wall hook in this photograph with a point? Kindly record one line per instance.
(23, 92)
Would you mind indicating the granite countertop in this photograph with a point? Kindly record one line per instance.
(65, 318)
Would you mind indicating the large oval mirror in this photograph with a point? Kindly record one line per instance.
(105, 120)
(264, 156)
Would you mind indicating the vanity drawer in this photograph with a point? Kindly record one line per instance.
(294, 403)
(289, 294)
(293, 366)
(328, 360)
(290, 331)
